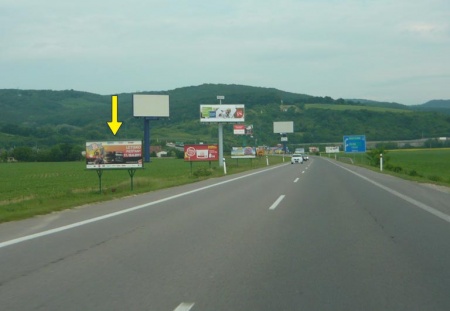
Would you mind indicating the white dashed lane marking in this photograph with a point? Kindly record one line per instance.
(184, 306)
(275, 204)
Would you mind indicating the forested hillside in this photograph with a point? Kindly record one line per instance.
(43, 119)
(437, 103)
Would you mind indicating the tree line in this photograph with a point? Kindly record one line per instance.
(58, 153)
(42, 120)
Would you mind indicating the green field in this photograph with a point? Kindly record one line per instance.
(29, 189)
(430, 164)
(424, 165)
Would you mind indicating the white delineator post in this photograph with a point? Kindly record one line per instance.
(224, 167)
(381, 162)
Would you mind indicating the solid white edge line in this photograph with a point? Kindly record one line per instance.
(275, 204)
(131, 209)
(184, 306)
(419, 204)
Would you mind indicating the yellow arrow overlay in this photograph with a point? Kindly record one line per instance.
(114, 125)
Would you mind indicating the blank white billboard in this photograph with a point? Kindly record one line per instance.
(145, 105)
(283, 127)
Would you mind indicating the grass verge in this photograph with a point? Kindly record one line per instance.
(30, 189)
(421, 165)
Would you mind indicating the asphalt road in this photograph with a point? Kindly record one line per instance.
(315, 236)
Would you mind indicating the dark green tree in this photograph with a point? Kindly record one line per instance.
(23, 154)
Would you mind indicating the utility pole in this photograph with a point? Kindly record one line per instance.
(220, 98)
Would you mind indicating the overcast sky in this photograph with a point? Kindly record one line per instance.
(386, 50)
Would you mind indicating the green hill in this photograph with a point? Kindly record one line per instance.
(437, 103)
(45, 118)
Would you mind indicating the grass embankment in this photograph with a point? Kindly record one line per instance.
(423, 165)
(30, 189)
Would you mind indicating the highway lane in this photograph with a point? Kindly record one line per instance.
(333, 241)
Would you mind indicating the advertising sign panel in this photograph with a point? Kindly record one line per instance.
(249, 130)
(283, 127)
(243, 152)
(355, 143)
(145, 105)
(201, 153)
(239, 129)
(222, 113)
(114, 154)
(331, 149)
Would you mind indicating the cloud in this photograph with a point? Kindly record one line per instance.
(319, 47)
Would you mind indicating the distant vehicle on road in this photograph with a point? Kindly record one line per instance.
(296, 158)
(305, 157)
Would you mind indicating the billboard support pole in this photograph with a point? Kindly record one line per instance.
(221, 164)
(147, 139)
(131, 173)
(220, 144)
(99, 173)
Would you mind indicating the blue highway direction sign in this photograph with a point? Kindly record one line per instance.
(355, 143)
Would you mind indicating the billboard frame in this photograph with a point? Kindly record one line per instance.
(146, 106)
(191, 152)
(283, 127)
(99, 168)
(113, 154)
(243, 152)
(149, 105)
(222, 113)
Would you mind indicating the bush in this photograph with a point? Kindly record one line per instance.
(179, 154)
(413, 173)
(202, 172)
(435, 178)
(396, 168)
(373, 156)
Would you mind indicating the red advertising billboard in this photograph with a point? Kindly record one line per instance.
(113, 154)
(201, 153)
(239, 129)
(242, 129)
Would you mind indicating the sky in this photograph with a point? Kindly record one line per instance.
(384, 50)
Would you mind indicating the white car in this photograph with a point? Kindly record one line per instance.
(296, 158)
